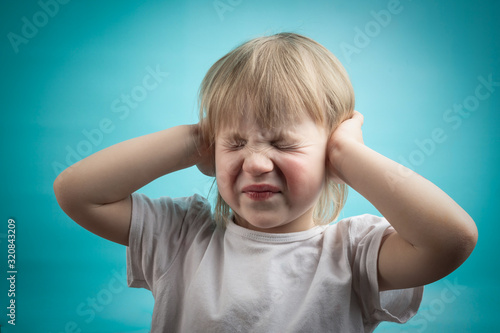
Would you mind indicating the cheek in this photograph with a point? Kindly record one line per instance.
(227, 167)
(304, 176)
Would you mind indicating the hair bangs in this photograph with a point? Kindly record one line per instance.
(269, 82)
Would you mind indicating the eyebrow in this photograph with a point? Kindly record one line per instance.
(232, 135)
(275, 136)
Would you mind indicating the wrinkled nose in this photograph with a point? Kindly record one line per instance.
(257, 163)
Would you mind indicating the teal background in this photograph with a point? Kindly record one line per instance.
(65, 79)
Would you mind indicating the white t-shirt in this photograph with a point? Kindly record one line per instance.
(205, 279)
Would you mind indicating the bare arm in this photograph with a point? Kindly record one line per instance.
(434, 235)
(95, 192)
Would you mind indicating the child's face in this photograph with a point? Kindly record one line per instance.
(271, 178)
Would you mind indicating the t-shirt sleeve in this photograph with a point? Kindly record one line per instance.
(160, 230)
(366, 233)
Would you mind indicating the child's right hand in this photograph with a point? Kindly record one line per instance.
(206, 163)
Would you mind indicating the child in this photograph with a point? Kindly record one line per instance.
(279, 133)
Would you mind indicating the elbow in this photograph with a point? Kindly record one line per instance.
(462, 244)
(58, 186)
(62, 191)
(468, 238)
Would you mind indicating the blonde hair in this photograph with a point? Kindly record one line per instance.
(278, 79)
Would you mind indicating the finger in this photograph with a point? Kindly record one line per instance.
(358, 117)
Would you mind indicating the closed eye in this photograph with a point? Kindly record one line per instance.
(236, 144)
(284, 145)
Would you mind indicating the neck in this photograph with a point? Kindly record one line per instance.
(302, 223)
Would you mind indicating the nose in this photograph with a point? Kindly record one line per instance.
(257, 163)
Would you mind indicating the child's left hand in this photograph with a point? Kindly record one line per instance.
(433, 234)
(347, 133)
